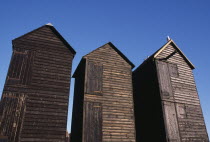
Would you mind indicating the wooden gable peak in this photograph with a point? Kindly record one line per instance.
(177, 49)
(117, 50)
(51, 27)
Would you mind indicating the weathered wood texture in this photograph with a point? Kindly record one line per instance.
(94, 78)
(12, 110)
(184, 98)
(178, 97)
(40, 68)
(108, 103)
(93, 122)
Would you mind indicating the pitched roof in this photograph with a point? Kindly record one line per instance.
(177, 49)
(153, 56)
(82, 61)
(49, 25)
(117, 50)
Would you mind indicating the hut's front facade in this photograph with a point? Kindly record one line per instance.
(103, 101)
(167, 106)
(39, 74)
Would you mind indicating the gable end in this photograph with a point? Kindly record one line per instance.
(57, 34)
(118, 51)
(171, 42)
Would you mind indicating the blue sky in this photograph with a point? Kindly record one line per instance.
(137, 27)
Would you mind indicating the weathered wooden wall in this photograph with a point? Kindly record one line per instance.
(180, 98)
(12, 111)
(164, 86)
(41, 68)
(108, 102)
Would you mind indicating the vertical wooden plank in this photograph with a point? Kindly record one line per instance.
(20, 68)
(92, 122)
(94, 78)
(169, 109)
(164, 80)
(12, 112)
(18, 62)
(17, 66)
(171, 122)
(27, 71)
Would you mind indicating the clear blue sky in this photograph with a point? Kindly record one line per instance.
(137, 27)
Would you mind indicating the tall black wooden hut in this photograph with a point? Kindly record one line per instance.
(40, 70)
(167, 106)
(103, 101)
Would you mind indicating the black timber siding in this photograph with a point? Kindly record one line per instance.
(41, 68)
(77, 114)
(147, 104)
(12, 110)
(108, 103)
(167, 81)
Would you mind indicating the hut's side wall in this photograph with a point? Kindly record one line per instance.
(41, 69)
(190, 119)
(147, 104)
(77, 114)
(112, 99)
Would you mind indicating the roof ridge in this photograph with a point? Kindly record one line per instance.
(117, 50)
(52, 28)
(154, 55)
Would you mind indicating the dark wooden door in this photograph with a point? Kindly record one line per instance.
(164, 80)
(92, 130)
(94, 78)
(164, 71)
(171, 123)
(20, 68)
